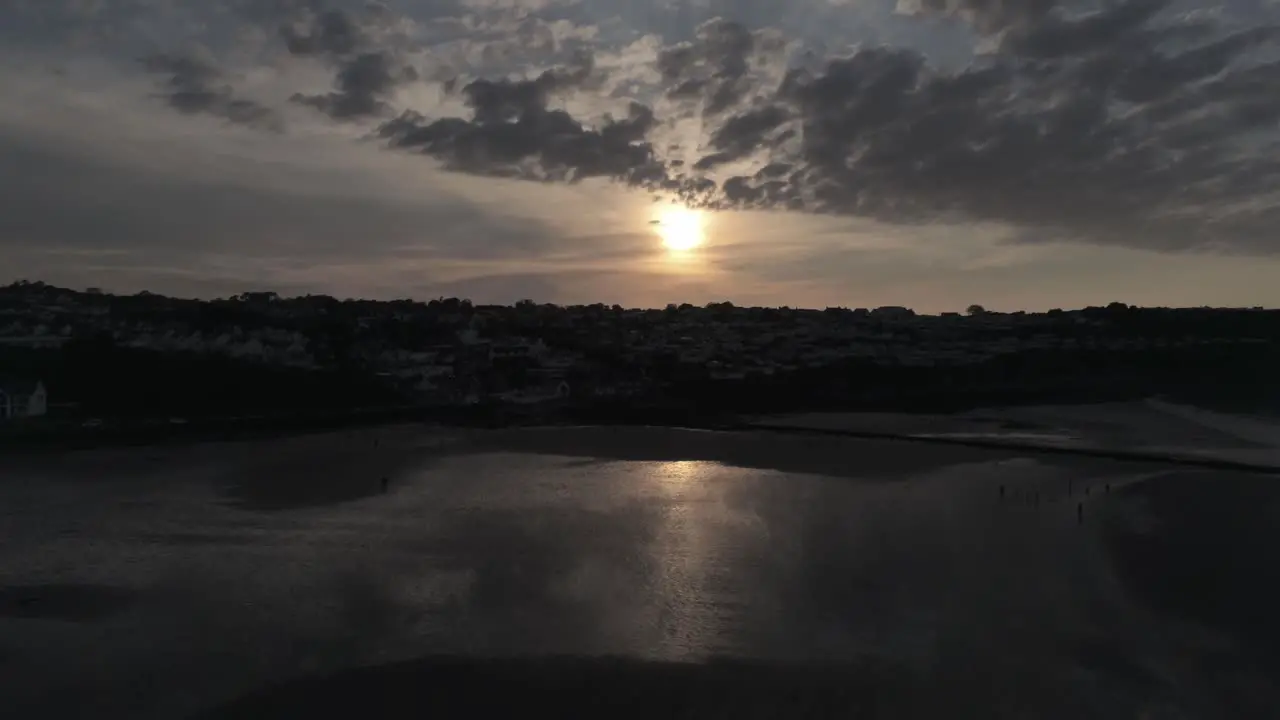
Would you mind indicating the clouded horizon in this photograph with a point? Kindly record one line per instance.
(928, 153)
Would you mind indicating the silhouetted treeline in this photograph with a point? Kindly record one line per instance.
(101, 379)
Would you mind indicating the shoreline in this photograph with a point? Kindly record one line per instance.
(153, 431)
(905, 426)
(62, 434)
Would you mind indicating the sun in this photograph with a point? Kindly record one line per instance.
(680, 228)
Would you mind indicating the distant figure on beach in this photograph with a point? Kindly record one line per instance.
(385, 480)
(1079, 513)
(1108, 488)
(1001, 492)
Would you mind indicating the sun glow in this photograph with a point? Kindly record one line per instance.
(680, 228)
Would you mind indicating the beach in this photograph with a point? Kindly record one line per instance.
(170, 581)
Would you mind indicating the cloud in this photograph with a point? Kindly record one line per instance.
(1126, 125)
(329, 33)
(1095, 127)
(367, 72)
(715, 69)
(194, 85)
(988, 16)
(1134, 122)
(362, 83)
(512, 132)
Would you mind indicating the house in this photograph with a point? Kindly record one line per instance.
(22, 398)
(893, 312)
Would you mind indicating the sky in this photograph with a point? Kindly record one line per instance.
(1019, 154)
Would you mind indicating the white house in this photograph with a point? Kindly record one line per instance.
(19, 399)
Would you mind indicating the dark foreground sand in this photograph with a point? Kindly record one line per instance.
(1201, 547)
(599, 572)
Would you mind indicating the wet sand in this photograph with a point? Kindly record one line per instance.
(1123, 426)
(1200, 547)
(278, 473)
(885, 578)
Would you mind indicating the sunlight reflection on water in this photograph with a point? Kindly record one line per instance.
(514, 552)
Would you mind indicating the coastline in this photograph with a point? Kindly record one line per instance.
(41, 437)
(1027, 430)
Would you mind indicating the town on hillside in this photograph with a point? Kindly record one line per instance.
(88, 356)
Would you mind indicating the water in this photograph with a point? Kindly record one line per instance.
(158, 582)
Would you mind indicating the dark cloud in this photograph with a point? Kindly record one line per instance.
(362, 82)
(272, 13)
(195, 86)
(1058, 37)
(1151, 76)
(329, 33)
(743, 134)
(990, 16)
(1093, 127)
(366, 74)
(715, 67)
(1129, 122)
(506, 100)
(512, 132)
